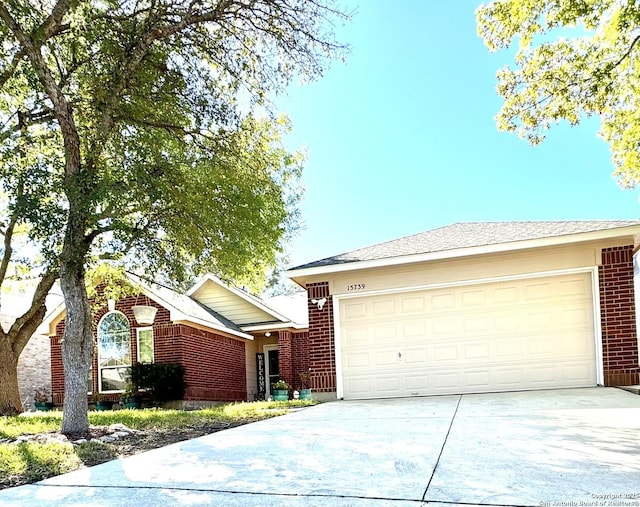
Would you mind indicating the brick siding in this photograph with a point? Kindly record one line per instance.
(300, 360)
(322, 364)
(618, 318)
(293, 356)
(215, 368)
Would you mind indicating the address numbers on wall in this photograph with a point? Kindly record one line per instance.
(355, 286)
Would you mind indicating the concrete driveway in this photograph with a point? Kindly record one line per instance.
(573, 447)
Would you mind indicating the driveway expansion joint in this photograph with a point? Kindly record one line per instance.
(435, 467)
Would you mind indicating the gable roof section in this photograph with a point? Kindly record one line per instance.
(468, 238)
(181, 308)
(185, 309)
(246, 310)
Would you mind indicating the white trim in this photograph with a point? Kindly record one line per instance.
(597, 325)
(464, 252)
(337, 342)
(593, 270)
(460, 283)
(265, 350)
(273, 326)
(98, 351)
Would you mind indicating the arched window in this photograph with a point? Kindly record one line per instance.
(114, 351)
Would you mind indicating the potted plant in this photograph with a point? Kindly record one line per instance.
(304, 393)
(41, 399)
(101, 403)
(280, 390)
(130, 398)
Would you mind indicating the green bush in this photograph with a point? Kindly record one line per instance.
(163, 381)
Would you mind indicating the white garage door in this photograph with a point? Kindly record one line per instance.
(510, 335)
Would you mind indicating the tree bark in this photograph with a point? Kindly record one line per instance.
(10, 402)
(13, 343)
(77, 341)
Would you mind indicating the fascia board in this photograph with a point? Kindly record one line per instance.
(633, 231)
(273, 327)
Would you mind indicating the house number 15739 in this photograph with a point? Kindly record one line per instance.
(355, 286)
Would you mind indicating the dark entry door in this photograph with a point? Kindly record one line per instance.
(274, 367)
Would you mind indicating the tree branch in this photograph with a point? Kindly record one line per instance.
(24, 327)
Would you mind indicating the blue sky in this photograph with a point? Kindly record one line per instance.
(402, 138)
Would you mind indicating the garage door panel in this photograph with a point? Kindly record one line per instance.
(476, 352)
(415, 356)
(353, 310)
(412, 305)
(522, 334)
(477, 379)
(444, 301)
(383, 308)
(443, 326)
(355, 360)
(445, 353)
(446, 380)
(509, 294)
(536, 291)
(473, 298)
(386, 358)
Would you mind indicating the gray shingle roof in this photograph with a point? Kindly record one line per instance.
(467, 235)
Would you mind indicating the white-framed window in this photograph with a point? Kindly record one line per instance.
(145, 344)
(114, 351)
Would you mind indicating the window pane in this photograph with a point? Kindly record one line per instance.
(113, 379)
(145, 345)
(114, 341)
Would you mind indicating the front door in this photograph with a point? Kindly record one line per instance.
(272, 370)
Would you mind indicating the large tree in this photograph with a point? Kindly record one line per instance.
(575, 59)
(161, 151)
(24, 263)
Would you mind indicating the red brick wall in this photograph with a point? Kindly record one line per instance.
(300, 345)
(293, 356)
(215, 364)
(322, 364)
(285, 357)
(618, 319)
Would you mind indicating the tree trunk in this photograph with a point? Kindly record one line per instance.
(10, 402)
(77, 342)
(13, 343)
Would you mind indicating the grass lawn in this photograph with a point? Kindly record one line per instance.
(32, 461)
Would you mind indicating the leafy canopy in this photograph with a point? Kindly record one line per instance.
(181, 166)
(575, 59)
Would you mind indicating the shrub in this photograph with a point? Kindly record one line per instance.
(163, 381)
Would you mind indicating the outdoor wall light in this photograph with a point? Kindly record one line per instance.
(320, 302)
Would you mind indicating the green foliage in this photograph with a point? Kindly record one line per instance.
(575, 59)
(280, 385)
(12, 427)
(144, 134)
(36, 461)
(108, 281)
(180, 166)
(163, 381)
